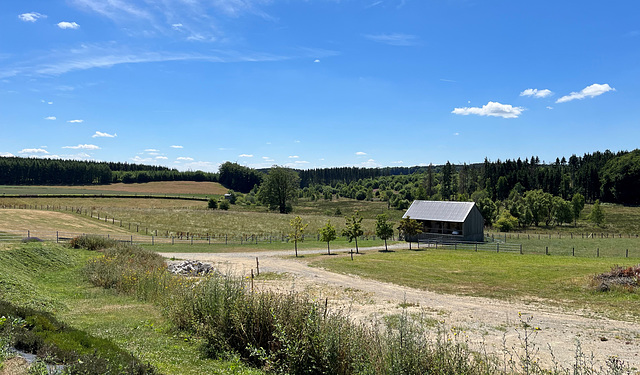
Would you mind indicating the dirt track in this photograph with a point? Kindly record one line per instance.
(483, 321)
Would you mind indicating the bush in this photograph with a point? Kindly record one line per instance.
(31, 239)
(91, 242)
(506, 222)
(224, 205)
(213, 203)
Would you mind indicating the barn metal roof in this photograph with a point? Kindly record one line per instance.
(455, 212)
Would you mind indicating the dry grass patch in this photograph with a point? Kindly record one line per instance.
(51, 221)
(165, 187)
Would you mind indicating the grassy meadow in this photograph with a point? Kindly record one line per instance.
(556, 280)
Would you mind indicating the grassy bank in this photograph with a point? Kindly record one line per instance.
(559, 280)
(49, 278)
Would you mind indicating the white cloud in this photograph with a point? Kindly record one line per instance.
(76, 121)
(104, 135)
(456, 134)
(138, 159)
(360, 153)
(68, 25)
(293, 156)
(83, 147)
(185, 158)
(301, 162)
(316, 60)
(296, 141)
(50, 118)
(267, 159)
(397, 162)
(7, 154)
(177, 25)
(33, 151)
(162, 157)
(370, 163)
(49, 102)
(491, 109)
(394, 39)
(549, 107)
(587, 92)
(537, 93)
(175, 146)
(151, 150)
(245, 156)
(31, 17)
(154, 153)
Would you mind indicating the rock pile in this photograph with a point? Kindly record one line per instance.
(191, 268)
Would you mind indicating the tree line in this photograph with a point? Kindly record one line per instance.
(35, 171)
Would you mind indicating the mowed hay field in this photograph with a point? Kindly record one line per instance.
(52, 221)
(156, 187)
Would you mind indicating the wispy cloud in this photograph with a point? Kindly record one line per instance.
(199, 20)
(40, 151)
(394, 39)
(83, 147)
(76, 121)
(361, 153)
(68, 25)
(31, 17)
(50, 118)
(91, 56)
(494, 109)
(7, 154)
(176, 146)
(151, 150)
(587, 92)
(104, 135)
(185, 158)
(537, 93)
(161, 158)
(293, 156)
(301, 162)
(245, 156)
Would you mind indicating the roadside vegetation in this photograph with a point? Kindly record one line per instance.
(47, 307)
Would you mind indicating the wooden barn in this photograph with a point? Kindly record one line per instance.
(447, 221)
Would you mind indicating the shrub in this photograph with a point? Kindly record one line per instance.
(213, 203)
(506, 222)
(91, 242)
(31, 239)
(224, 205)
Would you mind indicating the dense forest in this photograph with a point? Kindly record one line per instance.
(33, 171)
(605, 176)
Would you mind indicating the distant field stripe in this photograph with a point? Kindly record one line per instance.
(104, 196)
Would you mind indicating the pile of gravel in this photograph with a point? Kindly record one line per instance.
(191, 268)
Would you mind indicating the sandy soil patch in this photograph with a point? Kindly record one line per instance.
(481, 322)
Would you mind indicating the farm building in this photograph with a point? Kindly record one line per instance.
(447, 221)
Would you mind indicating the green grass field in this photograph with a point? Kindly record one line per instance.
(557, 280)
(48, 277)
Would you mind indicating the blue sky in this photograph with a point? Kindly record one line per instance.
(318, 83)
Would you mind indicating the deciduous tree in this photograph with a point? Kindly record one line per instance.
(297, 231)
(384, 229)
(280, 189)
(409, 228)
(577, 205)
(353, 229)
(327, 234)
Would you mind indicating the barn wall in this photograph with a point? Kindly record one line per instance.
(473, 227)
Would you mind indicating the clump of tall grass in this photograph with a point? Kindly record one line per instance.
(91, 242)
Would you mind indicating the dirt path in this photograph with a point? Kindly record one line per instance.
(482, 322)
